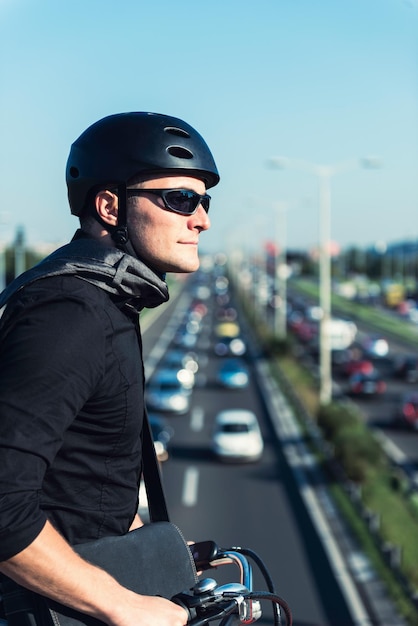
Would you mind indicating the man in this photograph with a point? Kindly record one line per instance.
(71, 377)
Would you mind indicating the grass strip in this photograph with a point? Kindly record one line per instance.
(384, 321)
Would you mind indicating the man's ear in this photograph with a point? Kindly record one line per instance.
(106, 204)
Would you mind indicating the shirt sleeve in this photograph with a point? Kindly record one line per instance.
(50, 362)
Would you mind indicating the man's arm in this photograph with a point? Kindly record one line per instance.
(49, 566)
(136, 523)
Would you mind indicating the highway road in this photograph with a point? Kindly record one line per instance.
(379, 411)
(251, 505)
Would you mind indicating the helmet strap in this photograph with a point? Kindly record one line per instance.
(119, 233)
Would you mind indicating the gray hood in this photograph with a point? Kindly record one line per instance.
(109, 268)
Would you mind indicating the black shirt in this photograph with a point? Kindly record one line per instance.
(71, 408)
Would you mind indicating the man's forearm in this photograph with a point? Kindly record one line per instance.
(50, 567)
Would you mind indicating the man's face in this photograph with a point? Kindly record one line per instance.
(165, 240)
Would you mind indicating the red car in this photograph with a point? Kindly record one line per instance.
(371, 384)
(408, 410)
(357, 366)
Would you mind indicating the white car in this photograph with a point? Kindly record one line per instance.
(170, 391)
(237, 436)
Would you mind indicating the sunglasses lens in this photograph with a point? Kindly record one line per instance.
(205, 202)
(182, 201)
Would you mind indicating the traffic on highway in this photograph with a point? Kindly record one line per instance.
(224, 471)
(378, 373)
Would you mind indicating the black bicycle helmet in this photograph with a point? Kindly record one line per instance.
(121, 146)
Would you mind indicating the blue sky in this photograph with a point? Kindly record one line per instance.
(323, 81)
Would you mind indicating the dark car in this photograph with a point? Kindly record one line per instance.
(406, 367)
(375, 346)
(370, 384)
(178, 359)
(407, 414)
(161, 434)
(230, 346)
(357, 366)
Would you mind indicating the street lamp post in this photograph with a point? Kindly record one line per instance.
(325, 392)
(20, 251)
(4, 219)
(324, 174)
(280, 278)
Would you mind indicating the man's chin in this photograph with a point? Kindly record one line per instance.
(185, 268)
(187, 263)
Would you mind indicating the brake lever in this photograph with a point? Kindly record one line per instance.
(214, 613)
(205, 603)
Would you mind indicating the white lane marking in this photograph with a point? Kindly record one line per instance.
(197, 419)
(392, 450)
(190, 485)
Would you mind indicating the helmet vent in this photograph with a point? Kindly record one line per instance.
(179, 132)
(74, 172)
(179, 152)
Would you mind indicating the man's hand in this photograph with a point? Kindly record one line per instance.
(147, 611)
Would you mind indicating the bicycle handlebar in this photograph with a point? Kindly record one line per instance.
(231, 602)
(207, 602)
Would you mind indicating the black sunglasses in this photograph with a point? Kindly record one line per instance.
(183, 201)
